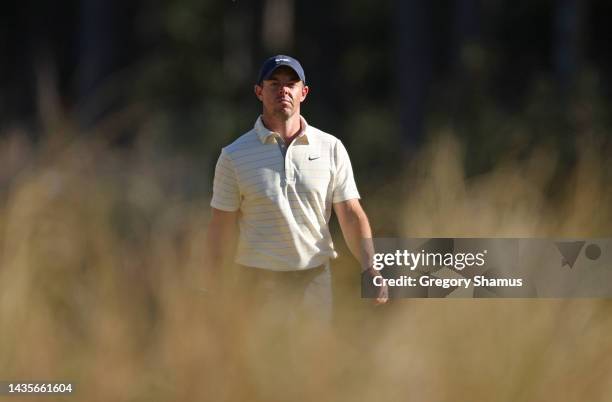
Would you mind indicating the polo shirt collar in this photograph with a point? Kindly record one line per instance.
(267, 137)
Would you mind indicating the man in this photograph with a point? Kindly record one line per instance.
(279, 182)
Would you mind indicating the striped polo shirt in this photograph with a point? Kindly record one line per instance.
(285, 202)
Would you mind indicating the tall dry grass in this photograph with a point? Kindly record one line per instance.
(100, 277)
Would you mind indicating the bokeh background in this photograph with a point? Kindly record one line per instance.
(462, 118)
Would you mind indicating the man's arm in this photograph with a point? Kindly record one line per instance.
(358, 236)
(220, 239)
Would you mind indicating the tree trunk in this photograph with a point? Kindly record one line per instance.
(414, 68)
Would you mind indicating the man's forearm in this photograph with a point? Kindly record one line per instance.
(357, 233)
(360, 242)
(220, 238)
(216, 250)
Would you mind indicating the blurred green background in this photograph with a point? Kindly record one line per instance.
(385, 75)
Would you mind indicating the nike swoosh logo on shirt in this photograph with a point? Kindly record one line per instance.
(311, 158)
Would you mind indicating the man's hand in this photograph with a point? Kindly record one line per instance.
(383, 291)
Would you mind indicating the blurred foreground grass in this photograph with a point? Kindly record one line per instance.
(102, 260)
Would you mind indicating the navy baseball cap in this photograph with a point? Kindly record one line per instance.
(280, 60)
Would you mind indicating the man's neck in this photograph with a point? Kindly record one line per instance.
(288, 129)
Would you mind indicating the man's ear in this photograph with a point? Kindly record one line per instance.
(257, 89)
(305, 90)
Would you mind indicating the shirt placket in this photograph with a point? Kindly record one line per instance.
(289, 171)
(289, 166)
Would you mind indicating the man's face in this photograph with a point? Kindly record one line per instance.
(282, 93)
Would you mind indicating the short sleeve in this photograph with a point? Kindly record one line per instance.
(344, 182)
(226, 195)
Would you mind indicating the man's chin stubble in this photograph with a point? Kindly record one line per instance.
(283, 114)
